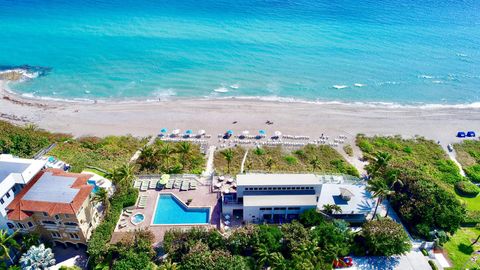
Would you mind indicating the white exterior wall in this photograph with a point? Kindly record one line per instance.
(253, 214)
(3, 212)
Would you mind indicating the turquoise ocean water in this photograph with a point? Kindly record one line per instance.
(398, 51)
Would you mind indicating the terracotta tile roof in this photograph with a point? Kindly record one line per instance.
(20, 209)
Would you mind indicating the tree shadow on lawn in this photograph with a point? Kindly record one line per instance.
(465, 249)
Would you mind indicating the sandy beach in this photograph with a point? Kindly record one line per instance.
(217, 116)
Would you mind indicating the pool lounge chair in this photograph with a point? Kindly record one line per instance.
(127, 214)
(169, 184)
(128, 211)
(193, 184)
(177, 183)
(153, 184)
(144, 186)
(137, 184)
(185, 185)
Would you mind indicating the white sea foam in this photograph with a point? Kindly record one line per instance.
(222, 89)
(163, 94)
(235, 86)
(25, 74)
(340, 86)
(423, 76)
(359, 84)
(438, 81)
(87, 91)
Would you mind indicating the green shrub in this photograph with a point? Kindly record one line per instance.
(407, 150)
(467, 189)
(291, 160)
(433, 265)
(348, 150)
(472, 218)
(473, 172)
(424, 252)
(365, 146)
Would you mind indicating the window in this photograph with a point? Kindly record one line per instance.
(294, 208)
(67, 216)
(14, 189)
(74, 236)
(49, 222)
(8, 194)
(269, 188)
(20, 225)
(45, 214)
(2, 201)
(10, 225)
(70, 223)
(280, 208)
(56, 235)
(265, 209)
(30, 224)
(255, 188)
(302, 188)
(57, 217)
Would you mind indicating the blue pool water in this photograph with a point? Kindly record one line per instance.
(401, 51)
(170, 211)
(93, 183)
(138, 218)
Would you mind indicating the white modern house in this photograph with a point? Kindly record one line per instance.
(15, 173)
(279, 198)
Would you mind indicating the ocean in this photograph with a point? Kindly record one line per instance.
(389, 51)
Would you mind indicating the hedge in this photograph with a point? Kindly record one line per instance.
(473, 172)
(103, 233)
(467, 189)
(472, 218)
(433, 265)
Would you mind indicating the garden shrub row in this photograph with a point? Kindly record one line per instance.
(103, 233)
(467, 189)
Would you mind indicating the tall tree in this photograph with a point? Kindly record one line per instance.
(228, 156)
(331, 209)
(165, 153)
(184, 148)
(379, 190)
(382, 160)
(101, 196)
(7, 242)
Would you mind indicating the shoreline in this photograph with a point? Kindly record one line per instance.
(217, 115)
(5, 90)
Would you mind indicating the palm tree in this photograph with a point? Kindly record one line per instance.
(332, 209)
(125, 175)
(168, 265)
(258, 151)
(165, 153)
(37, 258)
(228, 155)
(7, 242)
(267, 258)
(102, 197)
(379, 190)
(30, 239)
(381, 161)
(315, 162)
(184, 148)
(147, 159)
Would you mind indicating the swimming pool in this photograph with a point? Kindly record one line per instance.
(170, 210)
(94, 184)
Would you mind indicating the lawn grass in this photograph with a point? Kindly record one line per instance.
(458, 247)
(220, 162)
(278, 159)
(468, 155)
(105, 153)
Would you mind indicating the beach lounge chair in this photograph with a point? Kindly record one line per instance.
(169, 184)
(153, 184)
(137, 184)
(122, 225)
(128, 210)
(127, 214)
(185, 185)
(193, 184)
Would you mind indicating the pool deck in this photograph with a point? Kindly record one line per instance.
(201, 197)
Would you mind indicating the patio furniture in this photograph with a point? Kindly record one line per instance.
(127, 214)
(169, 184)
(185, 185)
(153, 184)
(142, 202)
(221, 178)
(129, 210)
(144, 186)
(177, 183)
(193, 184)
(137, 184)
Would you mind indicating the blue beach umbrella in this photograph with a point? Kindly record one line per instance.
(262, 132)
(189, 131)
(230, 131)
(163, 130)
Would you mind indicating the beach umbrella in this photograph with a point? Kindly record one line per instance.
(164, 179)
(278, 133)
(230, 131)
(245, 132)
(262, 131)
(201, 132)
(176, 131)
(163, 130)
(189, 131)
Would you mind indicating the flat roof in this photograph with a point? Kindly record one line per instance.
(27, 168)
(61, 193)
(263, 179)
(280, 200)
(361, 200)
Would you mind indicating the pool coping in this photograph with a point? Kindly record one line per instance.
(184, 205)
